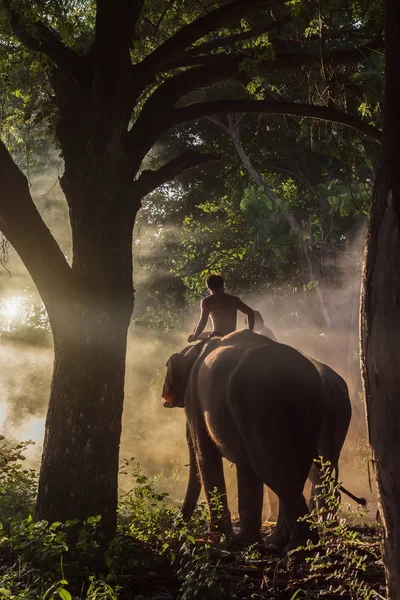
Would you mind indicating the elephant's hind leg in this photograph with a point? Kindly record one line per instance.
(273, 501)
(250, 494)
(280, 535)
(294, 507)
(318, 499)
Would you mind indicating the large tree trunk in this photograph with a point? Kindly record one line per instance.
(79, 470)
(380, 313)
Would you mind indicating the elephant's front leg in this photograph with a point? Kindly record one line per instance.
(194, 483)
(250, 495)
(280, 535)
(212, 476)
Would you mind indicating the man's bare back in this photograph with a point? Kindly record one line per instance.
(222, 309)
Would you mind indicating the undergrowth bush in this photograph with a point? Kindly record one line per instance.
(343, 555)
(18, 486)
(155, 554)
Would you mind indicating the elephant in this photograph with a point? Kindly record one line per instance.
(333, 410)
(338, 412)
(232, 389)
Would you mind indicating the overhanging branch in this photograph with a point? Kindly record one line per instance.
(149, 180)
(26, 231)
(254, 32)
(282, 60)
(200, 27)
(39, 37)
(272, 107)
(158, 109)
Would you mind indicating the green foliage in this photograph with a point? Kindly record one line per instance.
(308, 165)
(143, 513)
(100, 590)
(200, 574)
(18, 486)
(342, 557)
(70, 561)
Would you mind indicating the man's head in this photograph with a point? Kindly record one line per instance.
(215, 283)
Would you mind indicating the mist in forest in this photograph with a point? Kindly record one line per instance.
(153, 435)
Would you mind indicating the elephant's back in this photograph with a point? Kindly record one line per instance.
(214, 372)
(276, 363)
(276, 384)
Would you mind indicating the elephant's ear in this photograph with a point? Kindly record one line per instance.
(175, 364)
(172, 388)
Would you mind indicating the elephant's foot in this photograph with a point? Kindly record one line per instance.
(276, 542)
(280, 536)
(222, 527)
(300, 536)
(243, 538)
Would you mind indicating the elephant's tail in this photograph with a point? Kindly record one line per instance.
(361, 501)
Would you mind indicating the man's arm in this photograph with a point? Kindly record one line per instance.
(204, 312)
(247, 311)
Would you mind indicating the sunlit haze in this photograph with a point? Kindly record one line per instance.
(11, 307)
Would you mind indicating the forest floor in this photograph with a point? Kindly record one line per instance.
(158, 556)
(346, 564)
(350, 568)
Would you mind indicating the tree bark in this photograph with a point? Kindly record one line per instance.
(380, 313)
(79, 470)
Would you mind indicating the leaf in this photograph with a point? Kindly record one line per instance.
(64, 594)
(92, 520)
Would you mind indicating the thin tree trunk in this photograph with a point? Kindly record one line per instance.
(234, 134)
(380, 313)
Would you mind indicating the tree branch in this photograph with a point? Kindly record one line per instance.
(26, 231)
(354, 54)
(150, 180)
(231, 39)
(271, 107)
(159, 106)
(161, 17)
(282, 60)
(44, 40)
(200, 27)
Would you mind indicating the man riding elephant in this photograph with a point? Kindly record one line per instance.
(265, 423)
